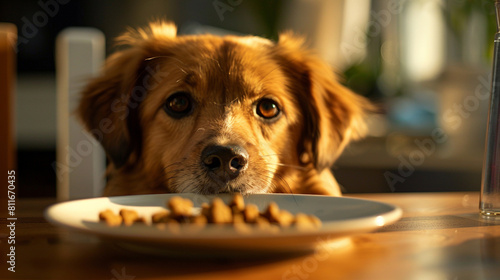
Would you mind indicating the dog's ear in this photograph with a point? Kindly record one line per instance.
(108, 105)
(332, 114)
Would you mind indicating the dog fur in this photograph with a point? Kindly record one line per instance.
(225, 82)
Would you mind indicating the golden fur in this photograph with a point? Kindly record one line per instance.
(223, 78)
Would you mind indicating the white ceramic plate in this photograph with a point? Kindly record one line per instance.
(341, 217)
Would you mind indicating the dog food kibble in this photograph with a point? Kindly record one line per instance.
(110, 218)
(244, 218)
(205, 209)
(277, 216)
(130, 217)
(172, 226)
(237, 204)
(251, 213)
(160, 217)
(303, 221)
(180, 207)
(199, 220)
(219, 212)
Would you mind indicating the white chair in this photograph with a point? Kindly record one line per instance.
(81, 162)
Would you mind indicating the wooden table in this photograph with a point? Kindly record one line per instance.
(440, 236)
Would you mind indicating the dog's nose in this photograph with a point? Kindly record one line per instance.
(226, 162)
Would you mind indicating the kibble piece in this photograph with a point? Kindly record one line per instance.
(240, 225)
(302, 221)
(237, 204)
(284, 218)
(276, 216)
(238, 218)
(172, 226)
(180, 207)
(199, 220)
(130, 217)
(272, 212)
(220, 213)
(315, 220)
(110, 218)
(263, 224)
(251, 213)
(306, 222)
(205, 209)
(197, 223)
(160, 217)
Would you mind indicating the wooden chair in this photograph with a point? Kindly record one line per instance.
(8, 39)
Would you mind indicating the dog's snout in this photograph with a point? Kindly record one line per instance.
(226, 162)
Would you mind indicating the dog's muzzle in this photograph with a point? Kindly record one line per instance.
(224, 163)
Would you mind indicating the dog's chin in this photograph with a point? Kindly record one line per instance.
(208, 187)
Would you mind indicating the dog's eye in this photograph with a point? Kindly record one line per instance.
(267, 108)
(179, 105)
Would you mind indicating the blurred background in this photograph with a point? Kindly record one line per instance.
(426, 63)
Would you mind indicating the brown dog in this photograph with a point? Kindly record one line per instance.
(208, 114)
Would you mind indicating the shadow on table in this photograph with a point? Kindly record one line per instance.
(473, 259)
(440, 222)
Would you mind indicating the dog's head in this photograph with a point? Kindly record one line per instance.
(215, 114)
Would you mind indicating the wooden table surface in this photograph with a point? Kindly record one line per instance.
(440, 236)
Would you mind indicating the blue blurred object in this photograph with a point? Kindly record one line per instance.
(414, 113)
